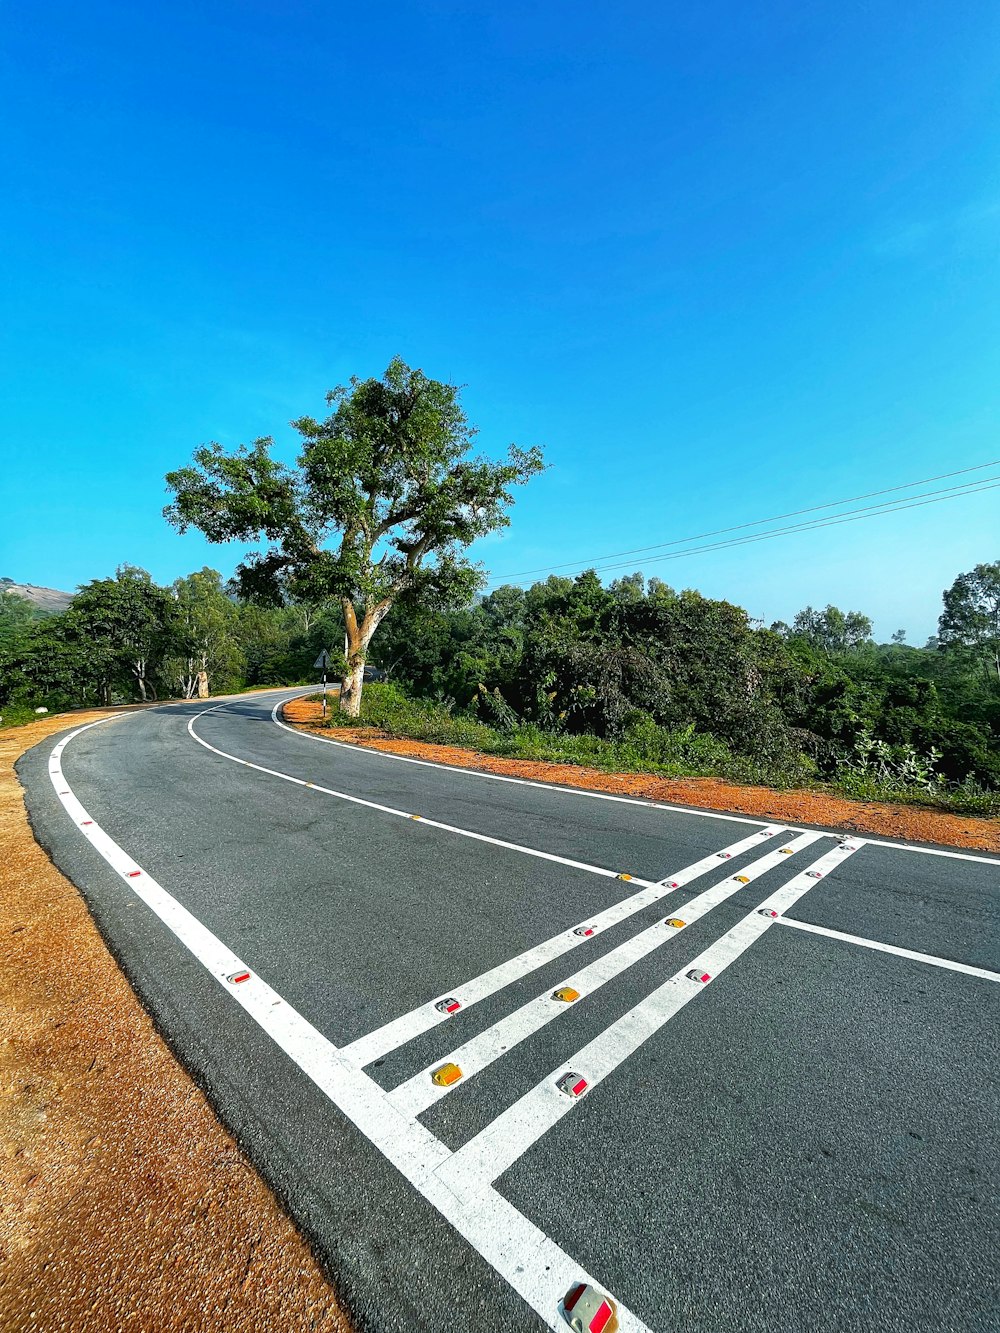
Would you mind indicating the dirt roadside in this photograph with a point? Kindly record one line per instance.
(124, 1205)
(899, 823)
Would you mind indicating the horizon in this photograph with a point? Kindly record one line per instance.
(718, 267)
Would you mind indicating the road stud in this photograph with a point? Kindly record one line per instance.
(414, 816)
(446, 1075)
(237, 977)
(584, 930)
(723, 856)
(742, 879)
(588, 1310)
(134, 874)
(573, 1085)
(766, 911)
(785, 851)
(566, 993)
(674, 921)
(623, 876)
(448, 1006)
(814, 874)
(697, 975)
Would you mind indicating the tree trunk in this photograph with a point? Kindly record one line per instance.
(358, 639)
(351, 685)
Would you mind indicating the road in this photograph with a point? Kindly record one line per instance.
(806, 1140)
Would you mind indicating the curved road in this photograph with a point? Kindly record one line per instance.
(787, 1040)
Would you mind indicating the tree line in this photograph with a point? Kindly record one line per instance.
(126, 639)
(817, 697)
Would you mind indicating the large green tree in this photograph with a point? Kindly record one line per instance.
(970, 620)
(382, 504)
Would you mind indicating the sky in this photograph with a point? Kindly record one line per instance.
(721, 261)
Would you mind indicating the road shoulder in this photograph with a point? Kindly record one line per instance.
(123, 1204)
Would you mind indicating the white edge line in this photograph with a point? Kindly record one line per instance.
(624, 800)
(520, 1252)
(948, 963)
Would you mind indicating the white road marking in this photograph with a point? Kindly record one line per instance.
(605, 796)
(400, 1030)
(416, 1094)
(519, 1251)
(406, 814)
(484, 1158)
(948, 963)
(502, 777)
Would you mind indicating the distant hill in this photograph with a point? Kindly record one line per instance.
(46, 599)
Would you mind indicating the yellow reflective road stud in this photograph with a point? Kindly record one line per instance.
(446, 1075)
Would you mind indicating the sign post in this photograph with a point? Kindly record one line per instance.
(322, 664)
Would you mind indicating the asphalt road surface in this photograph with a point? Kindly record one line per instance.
(806, 1140)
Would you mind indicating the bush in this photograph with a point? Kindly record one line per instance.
(644, 748)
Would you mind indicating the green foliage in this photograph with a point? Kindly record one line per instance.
(643, 748)
(381, 505)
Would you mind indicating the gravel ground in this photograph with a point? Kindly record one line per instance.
(123, 1203)
(903, 823)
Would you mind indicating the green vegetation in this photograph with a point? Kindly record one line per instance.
(126, 639)
(638, 677)
(380, 508)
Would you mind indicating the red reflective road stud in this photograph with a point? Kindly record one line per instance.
(584, 930)
(766, 911)
(237, 977)
(724, 856)
(674, 884)
(588, 1310)
(448, 1006)
(573, 1085)
(814, 874)
(695, 975)
(134, 874)
(86, 822)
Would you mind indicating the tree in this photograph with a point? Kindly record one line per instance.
(833, 630)
(123, 621)
(381, 505)
(971, 616)
(203, 631)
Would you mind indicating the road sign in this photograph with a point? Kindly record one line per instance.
(322, 662)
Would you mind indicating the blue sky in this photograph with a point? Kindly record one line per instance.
(721, 260)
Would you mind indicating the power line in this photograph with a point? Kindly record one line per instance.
(740, 527)
(854, 516)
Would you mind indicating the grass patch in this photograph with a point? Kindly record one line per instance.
(646, 749)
